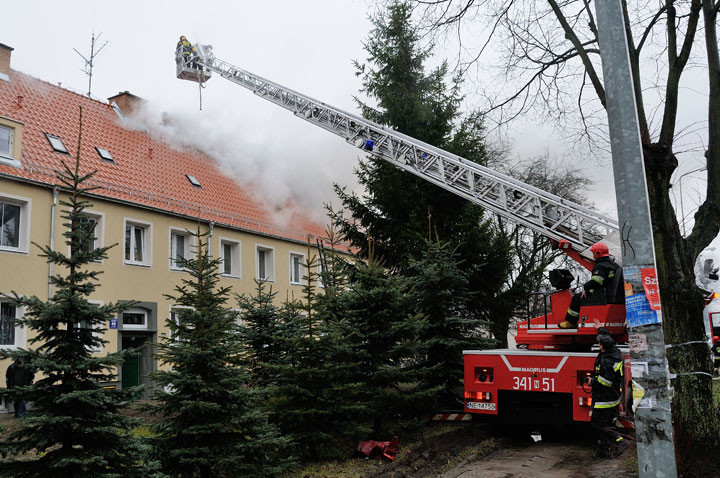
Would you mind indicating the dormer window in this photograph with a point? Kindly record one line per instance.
(105, 154)
(193, 180)
(56, 143)
(6, 141)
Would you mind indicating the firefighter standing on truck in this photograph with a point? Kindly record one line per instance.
(606, 279)
(607, 382)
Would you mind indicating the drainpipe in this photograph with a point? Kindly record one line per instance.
(210, 235)
(56, 191)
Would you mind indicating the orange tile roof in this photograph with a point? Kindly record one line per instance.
(146, 172)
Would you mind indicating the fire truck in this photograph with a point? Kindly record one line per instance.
(543, 379)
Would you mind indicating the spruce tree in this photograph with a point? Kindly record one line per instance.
(212, 424)
(315, 400)
(440, 291)
(75, 427)
(382, 330)
(261, 332)
(394, 207)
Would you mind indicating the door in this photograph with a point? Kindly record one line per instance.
(132, 370)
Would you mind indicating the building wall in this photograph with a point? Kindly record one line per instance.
(26, 273)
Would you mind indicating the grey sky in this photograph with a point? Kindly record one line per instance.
(305, 45)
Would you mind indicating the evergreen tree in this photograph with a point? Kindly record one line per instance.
(75, 427)
(315, 398)
(382, 332)
(212, 425)
(440, 292)
(261, 332)
(395, 206)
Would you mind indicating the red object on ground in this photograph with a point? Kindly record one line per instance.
(385, 450)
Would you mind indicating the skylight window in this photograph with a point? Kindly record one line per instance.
(56, 143)
(104, 154)
(193, 180)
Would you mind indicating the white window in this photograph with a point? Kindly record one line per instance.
(321, 269)
(7, 136)
(265, 262)
(230, 255)
(138, 241)
(179, 247)
(105, 154)
(11, 335)
(93, 222)
(135, 318)
(297, 268)
(56, 143)
(14, 223)
(176, 313)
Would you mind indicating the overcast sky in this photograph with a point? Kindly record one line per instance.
(305, 45)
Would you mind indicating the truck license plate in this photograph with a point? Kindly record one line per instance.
(481, 406)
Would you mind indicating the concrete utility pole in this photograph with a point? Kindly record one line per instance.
(656, 452)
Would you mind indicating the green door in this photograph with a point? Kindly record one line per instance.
(131, 371)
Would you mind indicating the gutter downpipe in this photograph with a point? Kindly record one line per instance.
(56, 191)
(210, 235)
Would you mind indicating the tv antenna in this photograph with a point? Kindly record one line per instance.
(89, 62)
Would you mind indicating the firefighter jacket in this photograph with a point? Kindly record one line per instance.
(185, 47)
(607, 379)
(607, 275)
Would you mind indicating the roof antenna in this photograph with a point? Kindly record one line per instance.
(89, 63)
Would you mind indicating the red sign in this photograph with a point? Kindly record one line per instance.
(650, 284)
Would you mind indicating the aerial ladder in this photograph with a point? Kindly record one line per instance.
(543, 379)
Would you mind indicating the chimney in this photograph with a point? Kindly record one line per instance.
(127, 102)
(5, 54)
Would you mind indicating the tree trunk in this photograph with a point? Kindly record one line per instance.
(696, 430)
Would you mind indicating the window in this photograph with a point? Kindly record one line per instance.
(230, 254)
(176, 313)
(135, 318)
(10, 223)
(14, 223)
(7, 324)
(7, 135)
(297, 268)
(89, 224)
(56, 143)
(105, 154)
(179, 248)
(137, 243)
(265, 263)
(193, 180)
(12, 335)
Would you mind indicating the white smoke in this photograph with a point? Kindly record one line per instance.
(284, 171)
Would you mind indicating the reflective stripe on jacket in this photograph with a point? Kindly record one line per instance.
(607, 379)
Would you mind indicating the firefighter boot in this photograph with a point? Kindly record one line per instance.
(603, 450)
(566, 324)
(621, 445)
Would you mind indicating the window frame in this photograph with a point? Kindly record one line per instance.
(20, 339)
(135, 310)
(301, 265)
(189, 242)
(12, 158)
(172, 314)
(98, 331)
(58, 148)
(236, 259)
(99, 218)
(147, 252)
(105, 154)
(263, 248)
(25, 204)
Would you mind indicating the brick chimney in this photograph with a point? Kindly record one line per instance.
(127, 102)
(5, 54)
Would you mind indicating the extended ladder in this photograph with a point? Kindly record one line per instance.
(550, 215)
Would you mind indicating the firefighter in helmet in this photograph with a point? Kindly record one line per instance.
(184, 49)
(606, 279)
(607, 382)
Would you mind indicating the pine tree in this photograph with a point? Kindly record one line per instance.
(394, 208)
(212, 425)
(75, 427)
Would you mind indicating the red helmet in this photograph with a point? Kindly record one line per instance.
(600, 249)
